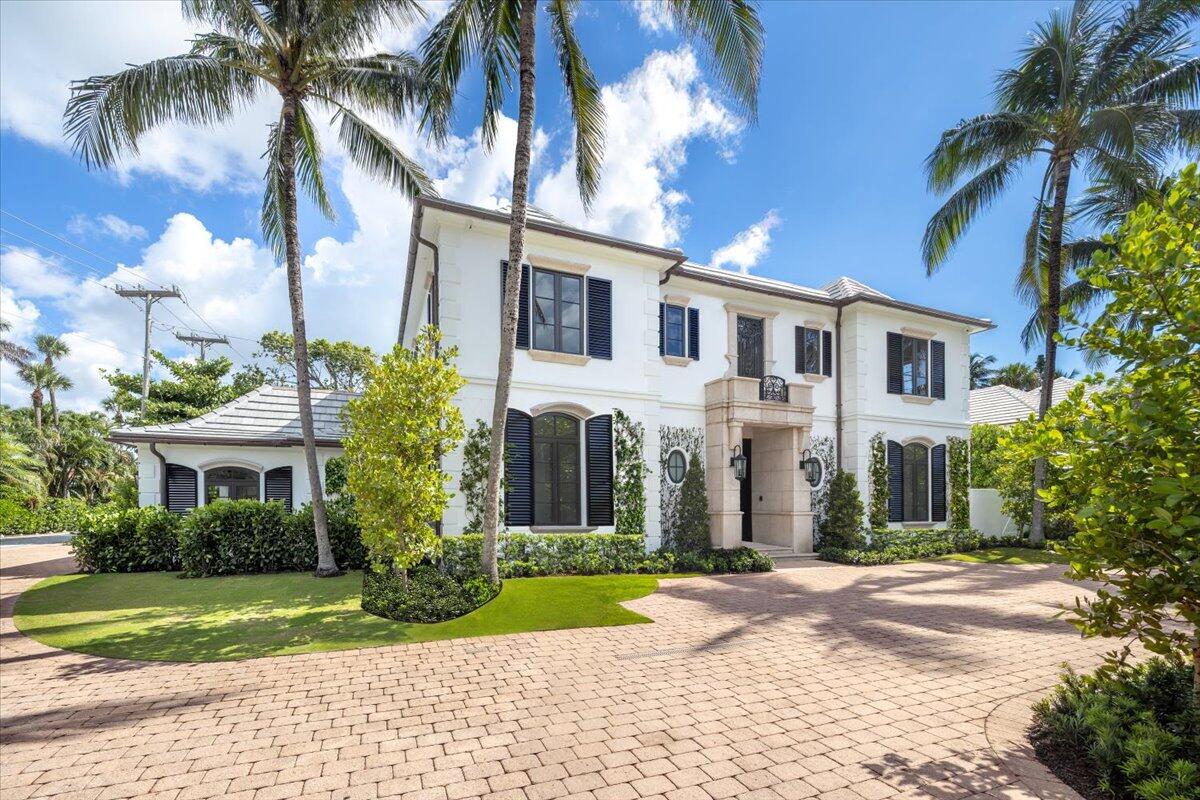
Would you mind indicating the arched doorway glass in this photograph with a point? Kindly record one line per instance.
(556, 470)
(230, 483)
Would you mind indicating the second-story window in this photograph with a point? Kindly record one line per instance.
(914, 365)
(673, 335)
(557, 311)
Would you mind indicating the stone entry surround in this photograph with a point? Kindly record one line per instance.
(828, 682)
(781, 431)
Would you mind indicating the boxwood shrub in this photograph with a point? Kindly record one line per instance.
(423, 595)
(127, 540)
(890, 546)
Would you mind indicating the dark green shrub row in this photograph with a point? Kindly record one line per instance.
(714, 562)
(127, 540)
(890, 546)
(423, 595)
(1136, 729)
(52, 516)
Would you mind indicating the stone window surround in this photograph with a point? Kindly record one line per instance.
(929, 445)
(544, 262)
(732, 312)
(684, 302)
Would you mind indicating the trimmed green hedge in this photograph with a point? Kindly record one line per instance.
(55, 515)
(889, 546)
(127, 540)
(424, 595)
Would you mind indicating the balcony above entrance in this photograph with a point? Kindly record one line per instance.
(762, 402)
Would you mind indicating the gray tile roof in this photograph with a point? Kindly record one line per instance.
(845, 287)
(1004, 405)
(268, 415)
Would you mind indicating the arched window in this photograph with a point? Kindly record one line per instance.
(916, 482)
(556, 471)
(230, 483)
(676, 466)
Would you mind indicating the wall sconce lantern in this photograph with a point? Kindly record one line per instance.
(811, 466)
(738, 462)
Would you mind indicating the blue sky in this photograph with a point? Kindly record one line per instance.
(853, 97)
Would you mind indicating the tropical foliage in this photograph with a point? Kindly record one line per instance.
(683, 507)
(190, 389)
(877, 480)
(629, 474)
(473, 480)
(1017, 375)
(982, 370)
(958, 465)
(985, 455)
(342, 365)
(72, 459)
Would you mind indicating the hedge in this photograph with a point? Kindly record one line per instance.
(127, 540)
(890, 546)
(424, 595)
(53, 516)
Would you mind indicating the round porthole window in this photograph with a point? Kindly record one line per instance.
(676, 466)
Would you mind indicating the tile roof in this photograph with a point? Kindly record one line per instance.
(268, 415)
(1004, 405)
(848, 287)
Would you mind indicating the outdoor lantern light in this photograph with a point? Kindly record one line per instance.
(738, 462)
(811, 466)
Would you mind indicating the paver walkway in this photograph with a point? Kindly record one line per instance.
(837, 682)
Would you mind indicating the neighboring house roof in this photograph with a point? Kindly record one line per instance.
(1004, 405)
(268, 415)
(845, 287)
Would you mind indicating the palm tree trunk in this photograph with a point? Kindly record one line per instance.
(1062, 180)
(36, 399)
(326, 565)
(512, 288)
(53, 400)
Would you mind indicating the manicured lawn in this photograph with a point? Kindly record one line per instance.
(1007, 555)
(157, 616)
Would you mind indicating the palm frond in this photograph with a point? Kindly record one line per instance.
(1145, 36)
(386, 83)
(348, 25)
(981, 140)
(106, 114)
(735, 39)
(583, 94)
(376, 155)
(959, 211)
(271, 217)
(499, 49)
(446, 52)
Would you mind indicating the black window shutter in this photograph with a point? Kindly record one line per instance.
(279, 486)
(599, 470)
(895, 460)
(937, 368)
(181, 489)
(522, 304)
(895, 375)
(599, 318)
(694, 334)
(518, 470)
(662, 311)
(937, 482)
(800, 349)
(827, 354)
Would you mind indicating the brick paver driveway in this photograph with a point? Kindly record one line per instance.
(838, 682)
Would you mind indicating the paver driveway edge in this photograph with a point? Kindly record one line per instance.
(1007, 731)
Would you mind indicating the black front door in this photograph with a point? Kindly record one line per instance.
(747, 491)
(750, 347)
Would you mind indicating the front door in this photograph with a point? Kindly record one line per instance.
(747, 493)
(750, 347)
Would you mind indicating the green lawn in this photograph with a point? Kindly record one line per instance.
(1007, 555)
(158, 616)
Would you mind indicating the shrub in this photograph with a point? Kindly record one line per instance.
(55, 515)
(693, 534)
(842, 526)
(877, 480)
(713, 562)
(985, 455)
(890, 546)
(1136, 728)
(345, 537)
(423, 594)
(629, 474)
(958, 465)
(127, 540)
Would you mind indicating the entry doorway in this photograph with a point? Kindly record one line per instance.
(747, 495)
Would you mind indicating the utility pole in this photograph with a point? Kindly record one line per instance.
(201, 340)
(148, 297)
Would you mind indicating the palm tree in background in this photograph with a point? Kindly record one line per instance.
(20, 469)
(53, 349)
(311, 53)
(1109, 92)
(10, 351)
(981, 370)
(500, 35)
(1017, 375)
(40, 378)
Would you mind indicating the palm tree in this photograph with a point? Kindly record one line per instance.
(981, 370)
(20, 470)
(501, 35)
(38, 376)
(1107, 92)
(309, 52)
(1018, 376)
(53, 348)
(10, 351)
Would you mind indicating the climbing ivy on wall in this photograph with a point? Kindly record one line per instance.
(823, 448)
(473, 480)
(629, 489)
(958, 458)
(877, 474)
(683, 507)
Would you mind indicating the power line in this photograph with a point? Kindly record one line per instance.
(202, 341)
(148, 297)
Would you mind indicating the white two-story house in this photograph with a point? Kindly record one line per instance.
(755, 367)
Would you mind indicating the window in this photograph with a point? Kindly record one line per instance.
(676, 466)
(673, 336)
(556, 470)
(557, 312)
(812, 351)
(230, 483)
(914, 365)
(916, 482)
(750, 346)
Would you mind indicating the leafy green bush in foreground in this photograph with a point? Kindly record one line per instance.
(423, 595)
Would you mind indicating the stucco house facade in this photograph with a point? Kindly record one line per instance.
(746, 365)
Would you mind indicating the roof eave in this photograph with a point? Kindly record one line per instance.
(144, 437)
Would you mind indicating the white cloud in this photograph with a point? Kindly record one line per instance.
(653, 16)
(652, 116)
(105, 225)
(748, 247)
(23, 316)
(31, 273)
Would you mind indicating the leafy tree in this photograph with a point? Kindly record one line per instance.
(1131, 464)
(10, 351)
(1109, 91)
(877, 479)
(332, 365)
(1014, 471)
(399, 428)
(692, 534)
(194, 388)
(307, 52)
(842, 526)
(981, 370)
(985, 455)
(958, 465)
(1018, 376)
(501, 35)
(53, 349)
(75, 458)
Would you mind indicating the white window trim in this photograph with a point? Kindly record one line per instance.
(539, 354)
(670, 358)
(911, 397)
(928, 444)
